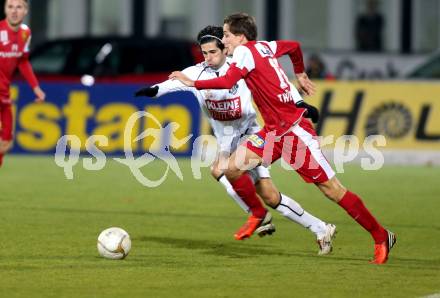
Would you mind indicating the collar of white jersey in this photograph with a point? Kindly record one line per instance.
(222, 69)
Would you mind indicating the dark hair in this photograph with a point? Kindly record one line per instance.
(209, 34)
(242, 23)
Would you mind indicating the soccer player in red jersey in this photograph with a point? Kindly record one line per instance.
(287, 133)
(14, 53)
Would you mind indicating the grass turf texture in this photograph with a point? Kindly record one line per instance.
(182, 235)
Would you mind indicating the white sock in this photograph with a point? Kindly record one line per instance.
(231, 192)
(293, 211)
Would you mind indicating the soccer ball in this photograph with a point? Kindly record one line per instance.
(114, 243)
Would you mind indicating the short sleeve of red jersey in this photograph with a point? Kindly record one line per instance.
(243, 59)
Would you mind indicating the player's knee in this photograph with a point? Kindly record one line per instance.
(232, 173)
(333, 191)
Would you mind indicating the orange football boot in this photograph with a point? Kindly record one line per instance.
(382, 250)
(262, 226)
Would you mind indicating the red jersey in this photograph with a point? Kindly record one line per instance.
(274, 95)
(14, 53)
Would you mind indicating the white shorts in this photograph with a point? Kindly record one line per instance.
(258, 173)
(229, 140)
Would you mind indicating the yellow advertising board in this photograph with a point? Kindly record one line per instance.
(104, 110)
(407, 114)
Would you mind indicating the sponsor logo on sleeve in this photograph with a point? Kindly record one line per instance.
(256, 141)
(24, 35)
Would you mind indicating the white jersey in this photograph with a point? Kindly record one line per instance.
(230, 112)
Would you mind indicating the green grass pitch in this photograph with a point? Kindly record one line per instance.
(182, 236)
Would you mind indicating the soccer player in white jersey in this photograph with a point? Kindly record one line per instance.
(231, 111)
(286, 133)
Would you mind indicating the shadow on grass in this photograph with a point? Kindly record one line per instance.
(227, 249)
(236, 249)
(242, 250)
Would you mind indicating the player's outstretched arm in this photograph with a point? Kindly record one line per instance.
(178, 75)
(170, 85)
(25, 68)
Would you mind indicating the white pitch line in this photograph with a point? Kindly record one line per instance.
(436, 295)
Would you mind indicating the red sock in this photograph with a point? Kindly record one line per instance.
(244, 187)
(356, 208)
(1, 159)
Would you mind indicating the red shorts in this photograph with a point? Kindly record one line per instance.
(6, 122)
(299, 147)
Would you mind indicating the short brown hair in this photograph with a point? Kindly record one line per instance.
(25, 2)
(242, 23)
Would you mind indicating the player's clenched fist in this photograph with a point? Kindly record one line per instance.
(312, 112)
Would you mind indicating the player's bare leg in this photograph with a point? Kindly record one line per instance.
(240, 162)
(217, 173)
(293, 211)
(384, 239)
